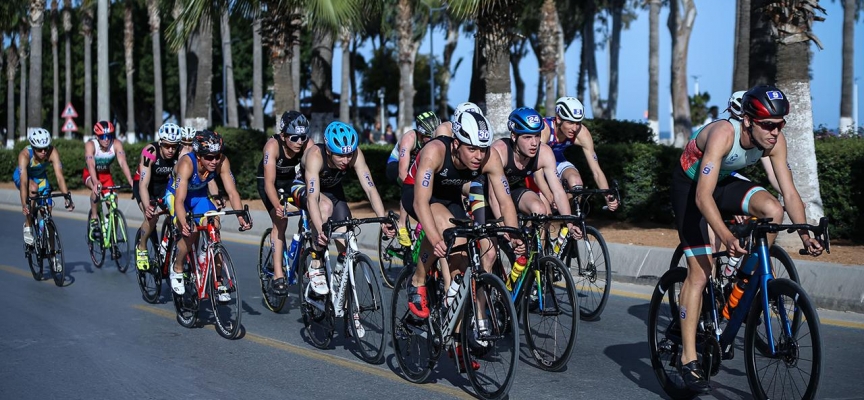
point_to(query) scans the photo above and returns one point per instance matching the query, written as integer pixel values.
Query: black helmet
(427, 122)
(293, 123)
(207, 142)
(765, 101)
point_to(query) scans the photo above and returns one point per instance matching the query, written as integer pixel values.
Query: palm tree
(128, 52)
(549, 51)
(850, 14)
(155, 20)
(257, 79)
(87, 31)
(67, 29)
(199, 103)
(589, 61)
(321, 80)
(23, 32)
(450, 43)
(55, 106)
(182, 67)
(740, 66)
(276, 33)
(344, 93)
(34, 108)
(654, 68)
(11, 67)
(518, 51)
(103, 77)
(225, 28)
(682, 14)
(408, 34)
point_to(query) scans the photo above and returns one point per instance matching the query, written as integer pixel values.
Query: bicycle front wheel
(317, 311)
(265, 273)
(366, 313)
(224, 294)
(413, 338)
(54, 253)
(550, 313)
(588, 260)
(97, 252)
(664, 334)
(497, 350)
(794, 369)
(34, 256)
(119, 242)
(148, 280)
(390, 258)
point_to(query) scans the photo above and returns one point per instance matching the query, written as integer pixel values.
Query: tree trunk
(22, 91)
(229, 71)
(103, 76)
(762, 66)
(617, 8)
(517, 53)
(477, 91)
(590, 62)
(322, 82)
(11, 66)
(407, 56)
(682, 14)
(87, 28)
(182, 67)
(449, 48)
(257, 79)
(128, 52)
(654, 69)
(495, 22)
(548, 60)
(740, 66)
(55, 61)
(353, 79)
(34, 108)
(67, 29)
(297, 25)
(156, 40)
(562, 66)
(847, 80)
(279, 43)
(345, 91)
(201, 100)
(584, 53)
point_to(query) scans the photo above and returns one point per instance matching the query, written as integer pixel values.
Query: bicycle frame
(202, 274)
(109, 233)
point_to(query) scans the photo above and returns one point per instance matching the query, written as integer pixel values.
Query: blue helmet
(341, 138)
(525, 121)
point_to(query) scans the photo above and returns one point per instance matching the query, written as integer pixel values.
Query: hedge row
(643, 171)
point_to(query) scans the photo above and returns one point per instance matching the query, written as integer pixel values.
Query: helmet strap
(753, 141)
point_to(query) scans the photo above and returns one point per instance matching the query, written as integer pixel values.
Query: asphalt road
(95, 338)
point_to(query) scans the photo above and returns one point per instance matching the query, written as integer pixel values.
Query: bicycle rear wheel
(318, 314)
(97, 252)
(413, 338)
(550, 313)
(148, 281)
(120, 242)
(588, 260)
(265, 273)
(390, 258)
(227, 311)
(664, 334)
(366, 314)
(795, 368)
(54, 253)
(187, 304)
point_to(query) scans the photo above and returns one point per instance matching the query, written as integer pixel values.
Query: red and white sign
(69, 125)
(69, 112)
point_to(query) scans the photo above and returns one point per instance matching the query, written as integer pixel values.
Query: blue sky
(710, 57)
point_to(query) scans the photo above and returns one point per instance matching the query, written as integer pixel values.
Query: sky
(710, 60)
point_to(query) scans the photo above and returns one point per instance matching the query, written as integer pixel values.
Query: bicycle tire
(54, 250)
(498, 352)
(664, 334)
(120, 241)
(148, 281)
(31, 252)
(412, 338)
(803, 348)
(97, 251)
(592, 277)
(370, 317)
(388, 264)
(550, 322)
(226, 313)
(187, 304)
(265, 274)
(319, 323)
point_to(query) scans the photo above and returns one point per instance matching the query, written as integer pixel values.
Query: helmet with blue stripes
(525, 121)
(341, 138)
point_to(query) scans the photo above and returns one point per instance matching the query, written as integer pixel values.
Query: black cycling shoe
(279, 287)
(694, 377)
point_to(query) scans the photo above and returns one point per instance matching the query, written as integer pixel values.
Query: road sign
(69, 125)
(69, 112)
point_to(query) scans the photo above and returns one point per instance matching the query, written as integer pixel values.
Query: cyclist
(403, 156)
(99, 154)
(187, 138)
(524, 156)
(151, 178)
(318, 189)
(187, 192)
(31, 174)
(566, 129)
(276, 174)
(446, 128)
(702, 188)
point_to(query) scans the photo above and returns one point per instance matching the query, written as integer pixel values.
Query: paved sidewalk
(832, 286)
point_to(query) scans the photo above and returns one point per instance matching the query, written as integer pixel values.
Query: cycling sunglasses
(211, 157)
(296, 138)
(770, 126)
(106, 136)
(170, 146)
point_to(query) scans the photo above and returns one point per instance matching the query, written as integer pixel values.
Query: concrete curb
(832, 286)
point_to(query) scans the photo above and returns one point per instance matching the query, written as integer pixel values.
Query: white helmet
(466, 106)
(170, 132)
(188, 134)
(569, 109)
(734, 107)
(472, 129)
(39, 138)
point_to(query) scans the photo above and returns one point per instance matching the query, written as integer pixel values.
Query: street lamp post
(381, 101)
(432, 57)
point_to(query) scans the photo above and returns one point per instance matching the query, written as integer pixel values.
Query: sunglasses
(211, 157)
(770, 126)
(296, 138)
(105, 137)
(169, 146)
(42, 150)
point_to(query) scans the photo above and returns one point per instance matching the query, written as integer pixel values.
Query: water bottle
(734, 297)
(453, 289)
(518, 267)
(731, 265)
(292, 254)
(163, 247)
(202, 259)
(562, 237)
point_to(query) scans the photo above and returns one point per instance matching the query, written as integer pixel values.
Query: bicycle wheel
(366, 313)
(413, 338)
(496, 351)
(97, 252)
(390, 258)
(795, 368)
(318, 314)
(187, 304)
(34, 257)
(147, 279)
(265, 274)
(593, 272)
(227, 311)
(120, 242)
(549, 313)
(54, 253)
(664, 334)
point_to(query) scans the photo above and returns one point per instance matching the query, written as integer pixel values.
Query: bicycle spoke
(224, 293)
(367, 312)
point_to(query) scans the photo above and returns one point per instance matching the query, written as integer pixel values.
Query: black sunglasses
(105, 136)
(170, 146)
(296, 138)
(211, 157)
(770, 126)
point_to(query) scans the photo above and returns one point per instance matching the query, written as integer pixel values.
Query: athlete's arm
(271, 153)
(546, 132)
(312, 162)
(546, 166)
(406, 144)
(148, 157)
(121, 158)
(368, 185)
(791, 197)
(494, 170)
(61, 180)
(427, 165)
(182, 175)
(89, 158)
(23, 160)
(230, 186)
(444, 129)
(585, 140)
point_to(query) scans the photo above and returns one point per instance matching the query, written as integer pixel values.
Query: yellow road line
(338, 361)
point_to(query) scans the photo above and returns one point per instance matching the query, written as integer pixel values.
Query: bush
(841, 183)
(608, 131)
